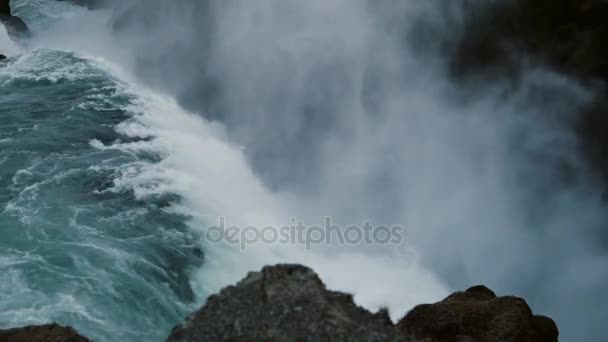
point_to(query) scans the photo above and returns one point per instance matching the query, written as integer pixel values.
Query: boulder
(284, 303)
(477, 314)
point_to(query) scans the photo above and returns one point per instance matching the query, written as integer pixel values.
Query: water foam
(213, 179)
(464, 178)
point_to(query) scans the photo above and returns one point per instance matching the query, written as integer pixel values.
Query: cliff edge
(291, 303)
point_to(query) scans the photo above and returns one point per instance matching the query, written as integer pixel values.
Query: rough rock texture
(290, 303)
(15, 26)
(43, 333)
(284, 303)
(478, 315)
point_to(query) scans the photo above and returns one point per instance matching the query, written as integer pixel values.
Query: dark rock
(14, 25)
(5, 8)
(478, 315)
(501, 38)
(43, 333)
(568, 35)
(284, 303)
(2, 57)
(289, 302)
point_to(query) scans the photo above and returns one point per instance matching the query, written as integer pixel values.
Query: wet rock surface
(284, 303)
(290, 303)
(477, 314)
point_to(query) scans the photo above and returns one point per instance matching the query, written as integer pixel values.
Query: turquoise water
(77, 246)
(107, 183)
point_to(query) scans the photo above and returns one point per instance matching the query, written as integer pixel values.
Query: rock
(289, 302)
(284, 303)
(14, 25)
(478, 315)
(43, 333)
(501, 38)
(5, 8)
(568, 35)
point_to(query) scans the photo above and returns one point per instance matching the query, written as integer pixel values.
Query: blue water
(107, 183)
(78, 247)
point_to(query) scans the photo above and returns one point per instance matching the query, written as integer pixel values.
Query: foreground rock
(501, 38)
(43, 333)
(284, 303)
(289, 302)
(478, 315)
(14, 25)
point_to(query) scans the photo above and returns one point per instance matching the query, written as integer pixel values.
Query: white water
(456, 176)
(214, 179)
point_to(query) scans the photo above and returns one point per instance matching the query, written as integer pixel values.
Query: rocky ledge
(291, 303)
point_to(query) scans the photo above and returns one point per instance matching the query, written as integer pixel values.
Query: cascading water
(293, 109)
